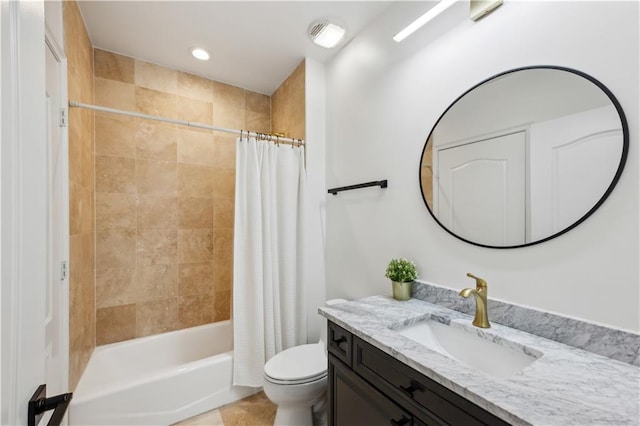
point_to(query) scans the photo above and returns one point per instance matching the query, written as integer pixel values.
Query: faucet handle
(480, 283)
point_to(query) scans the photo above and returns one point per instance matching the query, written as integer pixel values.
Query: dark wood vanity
(369, 387)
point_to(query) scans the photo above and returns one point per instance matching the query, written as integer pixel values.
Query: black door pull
(403, 421)
(39, 403)
(413, 386)
(340, 341)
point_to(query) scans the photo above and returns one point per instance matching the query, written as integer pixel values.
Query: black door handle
(39, 403)
(403, 421)
(413, 386)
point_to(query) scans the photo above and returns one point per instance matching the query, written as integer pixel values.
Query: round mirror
(523, 156)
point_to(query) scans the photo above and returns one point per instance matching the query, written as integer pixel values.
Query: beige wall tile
(231, 118)
(80, 209)
(156, 177)
(258, 122)
(113, 66)
(87, 241)
(223, 243)
(152, 178)
(195, 181)
(115, 249)
(223, 213)
(76, 264)
(87, 150)
(157, 212)
(157, 246)
(88, 220)
(195, 245)
(114, 94)
(157, 282)
(222, 305)
(195, 147)
(156, 77)
(223, 258)
(195, 310)
(154, 102)
(288, 105)
(223, 273)
(156, 141)
(156, 317)
(115, 135)
(195, 213)
(115, 174)
(226, 96)
(116, 287)
(115, 324)
(195, 87)
(224, 183)
(75, 144)
(123, 286)
(194, 110)
(257, 102)
(82, 315)
(195, 278)
(115, 211)
(224, 151)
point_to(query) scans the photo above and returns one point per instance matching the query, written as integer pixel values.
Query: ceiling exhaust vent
(326, 33)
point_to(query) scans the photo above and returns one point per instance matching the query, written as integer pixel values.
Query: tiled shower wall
(164, 197)
(288, 105)
(81, 194)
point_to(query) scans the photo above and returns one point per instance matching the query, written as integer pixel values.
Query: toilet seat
(297, 365)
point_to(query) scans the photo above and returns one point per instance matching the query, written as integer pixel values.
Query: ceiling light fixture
(429, 15)
(200, 53)
(326, 34)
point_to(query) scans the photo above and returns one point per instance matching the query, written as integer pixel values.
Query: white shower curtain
(269, 306)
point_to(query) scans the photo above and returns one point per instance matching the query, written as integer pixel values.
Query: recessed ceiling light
(429, 15)
(200, 53)
(326, 34)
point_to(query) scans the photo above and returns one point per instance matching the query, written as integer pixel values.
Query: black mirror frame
(623, 157)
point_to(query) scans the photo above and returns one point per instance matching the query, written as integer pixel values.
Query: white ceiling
(254, 45)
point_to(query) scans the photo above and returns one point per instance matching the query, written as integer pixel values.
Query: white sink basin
(468, 347)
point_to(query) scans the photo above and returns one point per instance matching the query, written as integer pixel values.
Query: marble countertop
(565, 386)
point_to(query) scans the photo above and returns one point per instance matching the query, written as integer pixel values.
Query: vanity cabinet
(370, 387)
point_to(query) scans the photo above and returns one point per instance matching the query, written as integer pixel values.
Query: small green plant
(401, 270)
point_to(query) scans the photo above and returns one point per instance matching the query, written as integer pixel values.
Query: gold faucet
(480, 292)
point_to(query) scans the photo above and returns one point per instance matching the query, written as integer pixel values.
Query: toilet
(296, 380)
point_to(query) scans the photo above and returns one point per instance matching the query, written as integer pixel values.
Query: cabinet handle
(403, 421)
(340, 341)
(413, 386)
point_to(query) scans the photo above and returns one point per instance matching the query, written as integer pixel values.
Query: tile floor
(255, 410)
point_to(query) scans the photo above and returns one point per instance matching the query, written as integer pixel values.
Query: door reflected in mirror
(523, 157)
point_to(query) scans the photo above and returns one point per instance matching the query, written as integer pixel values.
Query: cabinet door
(354, 402)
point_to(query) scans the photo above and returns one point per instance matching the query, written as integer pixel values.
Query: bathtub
(158, 380)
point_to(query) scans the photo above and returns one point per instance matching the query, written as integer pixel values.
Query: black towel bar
(380, 183)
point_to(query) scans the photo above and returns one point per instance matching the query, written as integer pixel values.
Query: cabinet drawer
(354, 402)
(339, 343)
(431, 402)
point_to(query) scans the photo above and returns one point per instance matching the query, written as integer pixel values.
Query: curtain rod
(273, 138)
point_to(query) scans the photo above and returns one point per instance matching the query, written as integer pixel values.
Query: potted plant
(401, 272)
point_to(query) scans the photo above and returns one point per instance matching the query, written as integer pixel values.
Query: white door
(56, 293)
(573, 161)
(481, 188)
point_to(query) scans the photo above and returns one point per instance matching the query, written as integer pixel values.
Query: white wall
(383, 99)
(315, 116)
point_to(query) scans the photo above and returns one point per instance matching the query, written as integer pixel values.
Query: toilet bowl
(296, 380)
